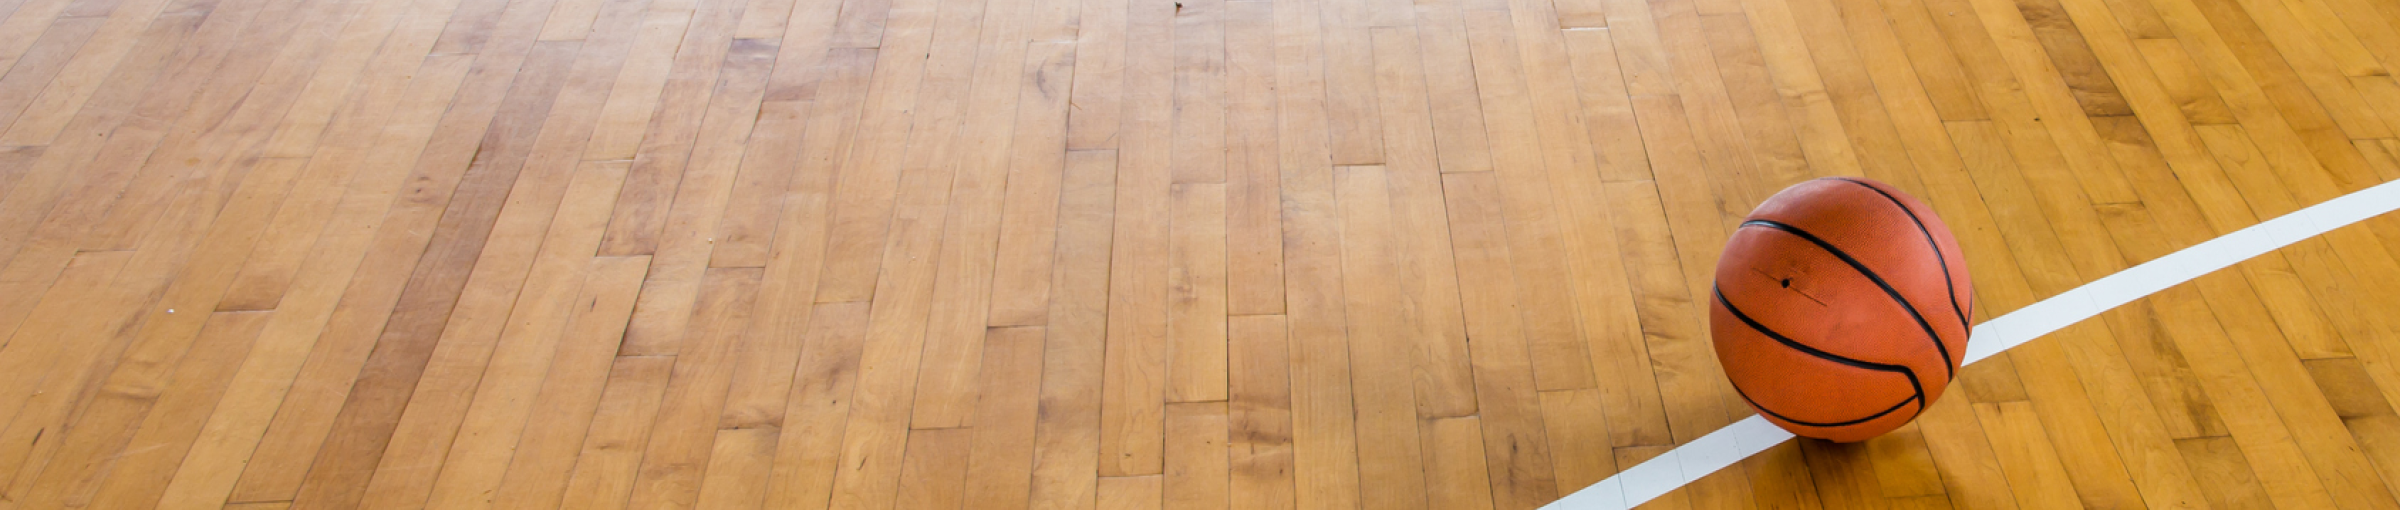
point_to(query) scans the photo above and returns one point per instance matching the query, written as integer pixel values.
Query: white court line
(1682, 465)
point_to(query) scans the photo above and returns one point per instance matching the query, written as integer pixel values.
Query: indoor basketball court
(1184, 254)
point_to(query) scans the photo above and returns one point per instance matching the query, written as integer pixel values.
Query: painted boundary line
(1684, 464)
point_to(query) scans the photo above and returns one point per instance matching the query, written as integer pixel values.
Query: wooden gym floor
(534, 254)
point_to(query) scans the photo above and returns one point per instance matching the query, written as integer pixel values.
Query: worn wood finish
(1074, 254)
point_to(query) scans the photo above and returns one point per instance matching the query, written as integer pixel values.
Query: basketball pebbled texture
(1841, 309)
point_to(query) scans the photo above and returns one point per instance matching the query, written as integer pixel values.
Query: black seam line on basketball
(1948, 282)
(1949, 368)
(1737, 390)
(1904, 371)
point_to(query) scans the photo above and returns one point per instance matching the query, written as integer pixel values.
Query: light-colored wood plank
(700, 200)
(1253, 182)
(1454, 449)
(1067, 433)
(1532, 219)
(934, 473)
(454, 374)
(971, 226)
(620, 433)
(1200, 95)
(150, 456)
(1513, 417)
(1390, 454)
(1196, 294)
(676, 456)
(1198, 470)
(1131, 492)
(1029, 220)
(1444, 385)
(2026, 455)
(500, 437)
(546, 465)
(1007, 412)
(737, 469)
(820, 403)
(1259, 412)
(1134, 394)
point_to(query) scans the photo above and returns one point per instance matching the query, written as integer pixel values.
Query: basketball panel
(1802, 386)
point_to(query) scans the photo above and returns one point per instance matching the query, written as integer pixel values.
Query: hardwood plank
(1444, 384)
(865, 196)
(551, 453)
(1098, 89)
(819, 405)
(1937, 66)
(1253, 182)
(875, 437)
(1200, 91)
(682, 257)
(139, 473)
(1198, 469)
(1458, 130)
(737, 469)
(1007, 414)
(1781, 477)
(970, 229)
(764, 379)
(1668, 316)
(340, 476)
(2051, 96)
(1067, 432)
(746, 235)
(234, 429)
(654, 115)
(2035, 474)
(1030, 217)
(1607, 109)
(1513, 416)
(1455, 451)
(1131, 492)
(129, 386)
(670, 29)
(305, 422)
(1903, 464)
(2077, 66)
(1259, 412)
(933, 474)
(1733, 173)
(1765, 122)
(1353, 122)
(620, 433)
(676, 455)
(443, 398)
(2208, 348)
(1819, 127)
(1963, 452)
(518, 88)
(2184, 82)
(1196, 279)
(499, 439)
(1525, 185)
(299, 432)
(1572, 420)
(2045, 368)
(1135, 374)
(1844, 473)
(1389, 454)
(2224, 475)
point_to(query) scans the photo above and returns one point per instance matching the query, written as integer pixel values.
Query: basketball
(1841, 308)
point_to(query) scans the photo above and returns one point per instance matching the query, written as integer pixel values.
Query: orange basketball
(1841, 308)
